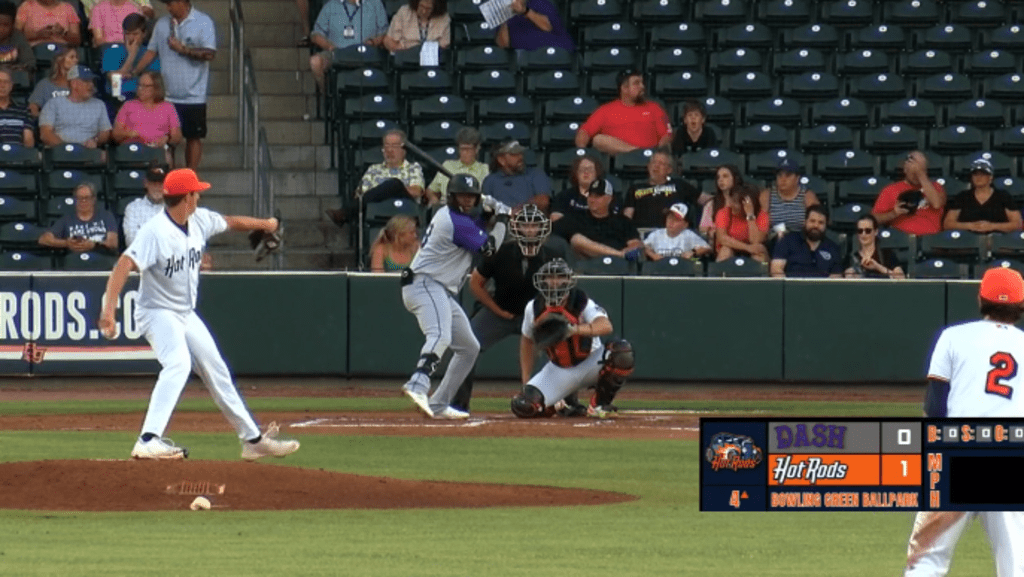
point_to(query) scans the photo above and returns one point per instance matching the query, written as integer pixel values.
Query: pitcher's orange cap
(1002, 286)
(182, 181)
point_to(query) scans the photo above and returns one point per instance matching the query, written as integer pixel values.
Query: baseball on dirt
(200, 504)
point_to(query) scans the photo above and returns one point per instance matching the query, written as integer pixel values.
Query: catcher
(568, 326)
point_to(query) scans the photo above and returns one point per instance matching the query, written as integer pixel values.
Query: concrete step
(272, 35)
(316, 157)
(285, 82)
(280, 58)
(286, 183)
(221, 131)
(294, 132)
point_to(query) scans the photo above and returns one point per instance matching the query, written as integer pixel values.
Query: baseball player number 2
(1004, 366)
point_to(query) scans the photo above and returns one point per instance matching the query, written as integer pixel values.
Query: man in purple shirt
(535, 25)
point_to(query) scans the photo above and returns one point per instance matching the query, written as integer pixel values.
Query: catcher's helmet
(531, 228)
(462, 183)
(554, 281)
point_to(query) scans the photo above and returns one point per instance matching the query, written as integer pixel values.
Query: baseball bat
(430, 159)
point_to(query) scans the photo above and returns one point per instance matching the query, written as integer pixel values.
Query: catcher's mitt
(264, 243)
(551, 329)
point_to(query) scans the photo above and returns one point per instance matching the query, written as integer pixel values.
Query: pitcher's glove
(264, 243)
(551, 329)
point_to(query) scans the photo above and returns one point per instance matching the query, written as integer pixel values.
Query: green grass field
(662, 533)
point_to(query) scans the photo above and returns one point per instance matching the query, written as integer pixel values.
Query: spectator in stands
(144, 6)
(468, 141)
(787, 198)
(585, 170)
(676, 239)
(139, 211)
(88, 229)
(15, 52)
(122, 59)
(107, 19)
(647, 203)
(396, 177)
(149, 119)
(15, 121)
(395, 246)
(982, 208)
(185, 49)
(808, 253)
(417, 22)
(78, 117)
(727, 177)
(49, 21)
(742, 225)
(56, 83)
(511, 182)
(693, 135)
(869, 260)
(599, 232)
(914, 204)
(628, 123)
(536, 24)
(341, 24)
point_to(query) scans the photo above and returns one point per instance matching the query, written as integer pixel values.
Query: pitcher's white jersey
(168, 259)
(447, 250)
(980, 361)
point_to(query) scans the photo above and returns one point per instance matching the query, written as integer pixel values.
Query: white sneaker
(157, 448)
(412, 390)
(451, 413)
(269, 446)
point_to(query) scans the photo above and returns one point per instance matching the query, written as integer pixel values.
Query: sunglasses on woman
(865, 230)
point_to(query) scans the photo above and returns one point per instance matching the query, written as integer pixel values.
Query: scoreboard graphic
(860, 464)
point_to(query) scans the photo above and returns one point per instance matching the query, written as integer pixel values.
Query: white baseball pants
(559, 382)
(182, 343)
(1005, 530)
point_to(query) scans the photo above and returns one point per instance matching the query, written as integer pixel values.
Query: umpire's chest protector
(575, 349)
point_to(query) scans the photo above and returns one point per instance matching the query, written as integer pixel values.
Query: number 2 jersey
(980, 361)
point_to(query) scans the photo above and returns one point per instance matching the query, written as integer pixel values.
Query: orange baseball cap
(1002, 286)
(182, 181)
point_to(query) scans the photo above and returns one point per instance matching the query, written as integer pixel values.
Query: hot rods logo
(729, 451)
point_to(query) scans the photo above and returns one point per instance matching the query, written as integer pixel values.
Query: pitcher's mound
(235, 486)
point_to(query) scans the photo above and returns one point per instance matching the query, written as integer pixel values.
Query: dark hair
(999, 312)
(818, 209)
(173, 201)
(133, 22)
(156, 171)
(871, 217)
(598, 169)
(440, 7)
(749, 190)
(694, 106)
(8, 9)
(737, 181)
(625, 75)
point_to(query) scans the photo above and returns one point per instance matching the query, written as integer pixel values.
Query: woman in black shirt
(982, 208)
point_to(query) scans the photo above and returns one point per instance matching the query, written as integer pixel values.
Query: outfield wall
(354, 324)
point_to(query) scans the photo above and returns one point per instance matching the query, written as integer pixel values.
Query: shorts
(193, 120)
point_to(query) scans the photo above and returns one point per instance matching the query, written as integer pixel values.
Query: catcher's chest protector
(575, 349)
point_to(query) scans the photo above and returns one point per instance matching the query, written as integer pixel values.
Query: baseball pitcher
(564, 322)
(974, 372)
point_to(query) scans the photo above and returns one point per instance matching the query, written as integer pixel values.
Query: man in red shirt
(914, 204)
(628, 123)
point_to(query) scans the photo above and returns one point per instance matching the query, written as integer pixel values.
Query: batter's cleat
(414, 392)
(269, 446)
(451, 413)
(158, 449)
(600, 412)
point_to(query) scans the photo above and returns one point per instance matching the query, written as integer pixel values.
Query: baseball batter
(974, 372)
(168, 251)
(430, 287)
(577, 362)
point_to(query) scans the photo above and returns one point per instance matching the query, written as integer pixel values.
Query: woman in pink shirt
(148, 119)
(106, 20)
(49, 21)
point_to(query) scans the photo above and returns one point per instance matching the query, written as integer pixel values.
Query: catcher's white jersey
(591, 312)
(448, 247)
(980, 361)
(168, 259)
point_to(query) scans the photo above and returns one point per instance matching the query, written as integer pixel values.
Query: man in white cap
(168, 252)
(676, 239)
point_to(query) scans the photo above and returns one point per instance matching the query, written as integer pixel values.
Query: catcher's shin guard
(618, 364)
(529, 403)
